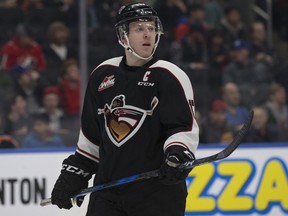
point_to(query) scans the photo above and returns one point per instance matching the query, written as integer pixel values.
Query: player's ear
(124, 40)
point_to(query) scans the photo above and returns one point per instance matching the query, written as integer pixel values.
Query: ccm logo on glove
(188, 153)
(75, 170)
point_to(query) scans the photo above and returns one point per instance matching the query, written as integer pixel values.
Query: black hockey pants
(146, 198)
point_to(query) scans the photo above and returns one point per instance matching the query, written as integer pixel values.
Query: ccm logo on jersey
(106, 83)
(145, 79)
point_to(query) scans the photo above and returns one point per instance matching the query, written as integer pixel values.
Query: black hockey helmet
(133, 12)
(136, 12)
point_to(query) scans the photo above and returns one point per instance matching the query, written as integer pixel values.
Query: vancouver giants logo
(106, 83)
(123, 121)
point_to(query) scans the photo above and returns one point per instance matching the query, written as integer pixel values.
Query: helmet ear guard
(136, 12)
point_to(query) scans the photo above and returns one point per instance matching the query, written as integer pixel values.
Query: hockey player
(138, 115)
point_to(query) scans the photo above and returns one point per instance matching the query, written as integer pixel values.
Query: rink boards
(252, 181)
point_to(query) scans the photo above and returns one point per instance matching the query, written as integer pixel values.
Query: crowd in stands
(232, 66)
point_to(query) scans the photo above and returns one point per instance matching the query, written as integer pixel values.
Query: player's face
(142, 37)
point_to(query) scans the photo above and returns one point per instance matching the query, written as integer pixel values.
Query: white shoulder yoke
(189, 139)
(113, 62)
(165, 64)
(178, 73)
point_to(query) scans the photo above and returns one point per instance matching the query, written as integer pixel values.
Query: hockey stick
(151, 174)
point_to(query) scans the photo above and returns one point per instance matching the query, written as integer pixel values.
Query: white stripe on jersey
(180, 75)
(113, 61)
(188, 139)
(87, 148)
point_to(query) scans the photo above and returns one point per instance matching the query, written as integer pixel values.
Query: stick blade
(232, 146)
(45, 202)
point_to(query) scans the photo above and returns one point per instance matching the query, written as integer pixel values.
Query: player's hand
(65, 187)
(71, 180)
(169, 172)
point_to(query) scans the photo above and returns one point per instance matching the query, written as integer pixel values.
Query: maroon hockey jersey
(132, 114)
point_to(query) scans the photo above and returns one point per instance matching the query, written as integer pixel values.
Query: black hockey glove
(169, 173)
(73, 178)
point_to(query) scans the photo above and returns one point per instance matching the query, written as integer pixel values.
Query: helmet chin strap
(131, 50)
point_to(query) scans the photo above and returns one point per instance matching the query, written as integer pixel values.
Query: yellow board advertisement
(252, 181)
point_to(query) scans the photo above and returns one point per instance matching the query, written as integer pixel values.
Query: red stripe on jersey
(87, 153)
(177, 143)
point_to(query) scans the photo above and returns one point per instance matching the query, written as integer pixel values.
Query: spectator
(64, 125)
(277, 107)
(217, 49)
(259, 47)
(93, 22)
(175, 8)
(22, 51)
(235, 113)
(66, 10)
(218, 56)
(41, 134)
(29, 85)
(191, 55)
(261, 130)
(191, 51)
(106, 11)
(232, 25)
(17, 118)
(51, 103)
(196, 16)
(57, 51)
(195, 20)
(70, 88)
(214, 12)
(215, 128)
(252, 77)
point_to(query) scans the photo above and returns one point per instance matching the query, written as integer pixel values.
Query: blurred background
(234, 52)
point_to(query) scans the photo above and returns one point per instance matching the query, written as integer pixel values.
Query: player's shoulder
(112, 62)
(165, 65)
(169, 68)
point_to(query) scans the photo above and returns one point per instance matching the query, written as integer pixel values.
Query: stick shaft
(151, 174)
